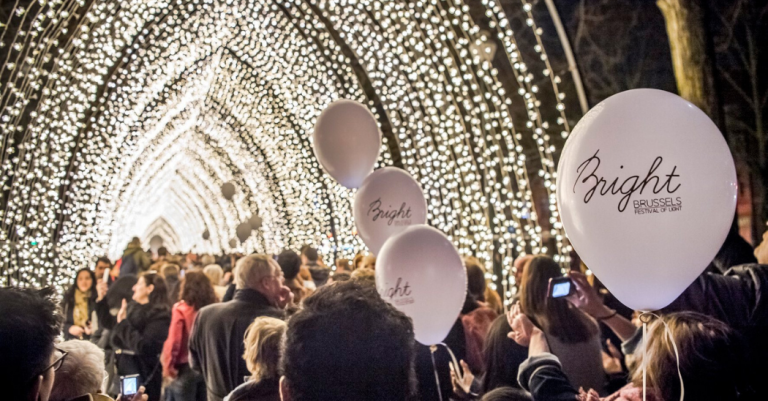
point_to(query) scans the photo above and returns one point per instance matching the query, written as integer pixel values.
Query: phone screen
(130, 385)
(560, 290)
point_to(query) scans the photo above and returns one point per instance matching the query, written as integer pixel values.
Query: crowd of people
(289, 327)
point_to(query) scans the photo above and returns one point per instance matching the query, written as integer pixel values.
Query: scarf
(80, 312)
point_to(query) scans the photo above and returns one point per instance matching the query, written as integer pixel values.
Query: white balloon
(228, 190)
(347, 141)
(243, 231)
(420, 273)
(388, 202)
(647, 191)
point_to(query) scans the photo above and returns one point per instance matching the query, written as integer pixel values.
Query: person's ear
(34, 391)
(151, 288)
(285, 392)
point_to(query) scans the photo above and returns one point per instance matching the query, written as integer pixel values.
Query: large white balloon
(387, 203)
(647, 192)
(228, 190)
(420, 273)
(346, 142)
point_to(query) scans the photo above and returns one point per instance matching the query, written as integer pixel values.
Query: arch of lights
(123, 118)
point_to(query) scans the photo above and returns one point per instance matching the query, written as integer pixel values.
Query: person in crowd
(134, 259)
(290, 263)
(262, 356)
(29, 324)
(170, 273)
(364, 274)
(216, 344)
(710, 363)
(734, 251)
(196, 293)
(78, 304)
(343, 265)
(489, 296)
(357, 261)
(206, 260)
(348, 344)
(162, 254)
(507, 394)
(102, 264)
(215, 273)
(574, 337)
(310, 261)
(502, 357)
(369, 262)
(476, 322)
(81, 375)
(139, 330)
(340, 276)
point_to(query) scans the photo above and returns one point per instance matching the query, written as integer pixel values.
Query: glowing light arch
(144, 108)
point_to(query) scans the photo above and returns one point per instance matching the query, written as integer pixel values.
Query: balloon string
(668, 332)
(432, 349)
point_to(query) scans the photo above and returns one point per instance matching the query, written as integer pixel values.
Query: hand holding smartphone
(560, 287)
(129, 385)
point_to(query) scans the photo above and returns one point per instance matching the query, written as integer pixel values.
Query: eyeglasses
(56, 365)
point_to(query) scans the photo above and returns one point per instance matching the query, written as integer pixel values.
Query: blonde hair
(363, 274)
(262, 347)
(214, 273)
(369, 259)
(251, 269)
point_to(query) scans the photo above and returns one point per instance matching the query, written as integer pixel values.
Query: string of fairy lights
(124, 118)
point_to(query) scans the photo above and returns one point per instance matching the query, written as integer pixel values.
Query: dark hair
(507, 394)
(29, 323)
(159, 295)
(341, 276)
(346, 328)
(290, 263)
(103, 259)
(502, 356)
(475, 278)
(68, 300)
(555, 317)
(310, 253)
(197, 290)
(162, 251)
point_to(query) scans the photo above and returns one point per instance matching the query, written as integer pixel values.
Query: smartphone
(560, 287)
(129, 385)
(105, 278)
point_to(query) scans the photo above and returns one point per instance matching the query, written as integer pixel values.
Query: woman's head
(554, 316)
(85, 280)
(196, 290)
(357, 261)
(475, 277)
(711, 358)
(262, 347)
(369, 262)
(502, 356)
(214, 273)
(151, 288)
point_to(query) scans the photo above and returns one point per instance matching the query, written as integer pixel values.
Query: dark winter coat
(134, 261)
(263, 390)
(216, 344)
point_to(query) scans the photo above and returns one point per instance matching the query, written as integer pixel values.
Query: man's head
(29, 323)
(347, 329)
(81, 372)
(162, 252)
(260, 273)
(102, 264)
(309, 255)
(290, 263)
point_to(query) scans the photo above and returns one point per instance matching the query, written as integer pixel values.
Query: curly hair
(196, 290)
(262, 347)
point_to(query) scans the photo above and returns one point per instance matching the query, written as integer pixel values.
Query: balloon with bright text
(388, 202)
(647, 192)
(420, 273)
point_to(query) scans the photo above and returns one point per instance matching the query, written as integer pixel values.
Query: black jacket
(216, 344)
(263, 390)
(68, 309)
(139, 340)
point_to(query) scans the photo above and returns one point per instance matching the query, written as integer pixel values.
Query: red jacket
(176, 347)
